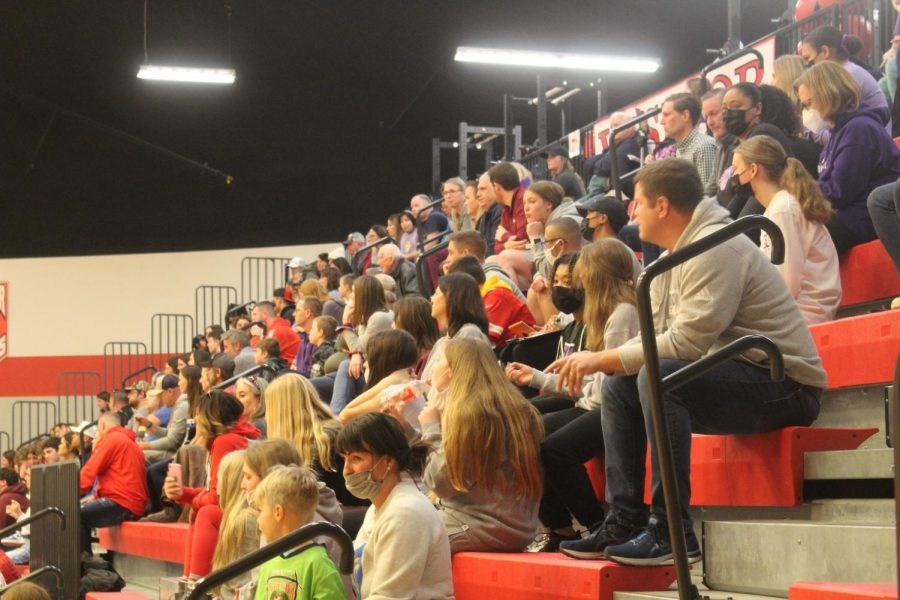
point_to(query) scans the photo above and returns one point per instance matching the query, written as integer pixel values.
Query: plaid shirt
(700, 149)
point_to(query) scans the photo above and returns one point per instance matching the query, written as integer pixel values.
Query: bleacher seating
(158, 541)
(868, 275)
(815, 590)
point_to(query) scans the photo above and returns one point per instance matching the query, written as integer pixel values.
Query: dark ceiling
(326, 130)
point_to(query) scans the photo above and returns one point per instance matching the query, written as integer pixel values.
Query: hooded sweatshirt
(503, 310)
(12, 492)
(119, 464)
(858, 157)
(729, 291)
(235, 438)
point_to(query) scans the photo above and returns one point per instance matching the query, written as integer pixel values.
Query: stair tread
(704, 593)
(873, 463)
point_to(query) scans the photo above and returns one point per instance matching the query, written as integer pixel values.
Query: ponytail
(413, 460)
(797, 181)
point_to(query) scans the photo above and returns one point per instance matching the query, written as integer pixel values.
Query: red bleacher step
(760, 470)
(545, 576)
(868, 274)
(859, 350)
(819, 590)
(160, 541)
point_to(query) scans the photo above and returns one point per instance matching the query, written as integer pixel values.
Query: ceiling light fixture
(528, 58)
(183, 74)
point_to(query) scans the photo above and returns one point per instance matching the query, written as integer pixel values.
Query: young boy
(287, 500)
(322, 335)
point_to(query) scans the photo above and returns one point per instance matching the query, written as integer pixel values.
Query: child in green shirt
(286, 500)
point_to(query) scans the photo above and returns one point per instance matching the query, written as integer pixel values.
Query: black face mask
(568, 300)
(735, 121)
(738, 189)
(587, 232)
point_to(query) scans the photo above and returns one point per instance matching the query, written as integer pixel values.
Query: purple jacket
(858, 157)
(303, 362)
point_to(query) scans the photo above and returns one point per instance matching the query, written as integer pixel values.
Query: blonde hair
(488, 428)
(294, 488)
(26, 591)
(786, 69)
(606, 272)
(833, 86)
(789, 173)
(312, 287)
(235, 511)
(295, 413)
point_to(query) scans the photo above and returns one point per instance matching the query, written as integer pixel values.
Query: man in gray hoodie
(700, 306)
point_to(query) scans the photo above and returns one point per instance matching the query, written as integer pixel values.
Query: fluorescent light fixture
(528, 58)
(186, 74)
(560, 99)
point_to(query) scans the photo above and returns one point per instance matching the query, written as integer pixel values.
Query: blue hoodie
(858, 157)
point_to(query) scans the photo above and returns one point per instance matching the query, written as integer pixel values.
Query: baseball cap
(355, 237)
(141, 386)
(223, 361)
(556, 150)
(610, 206)
(297, 263)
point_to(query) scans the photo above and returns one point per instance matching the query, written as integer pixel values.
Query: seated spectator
(413, 315)
(268, 352)
(563, 173)
(308, 309)
(508, 317)
(221, 429)
(69, 448)
(342, 264)
(11, 490)
(459, 311)
(782, 112)
(505, 184)
(454, 205)
(680, 118)
(473, 207)
(409, 238)
(485, 464)
(283, 300)
(466, 243)
(375, 233)
(713, 114)
(117, 464)
(785, 71)
(794, 202)
(286, 500)
(884, 209)
(120, 406)
(217, 370)
(828, 44)
(393, 227)
(489, 214)
(391, 262)
(405, 551)
(432, 222)
(8, 460)
(598, 169)
(104, 402)
(736, 397)
(330, 279)
(563, 236)
(251, 393)
(236, 344)
(392, 356)
(859, 155)
(276, 328)
(169, 436)
(50, 451)
(322, 335)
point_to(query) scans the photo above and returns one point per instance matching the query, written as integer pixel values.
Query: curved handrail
(380, 241)
(615, 180)
(138, 372)
(279, 546)
(50, 510)
(36, 574)
(426, 290)
(266, 366)
(656, 386)
(239, 307)
(730, 57)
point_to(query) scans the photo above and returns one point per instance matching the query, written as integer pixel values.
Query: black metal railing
(49, 511)
(36, 575)
(170, 334)
(657, 386)
(75, 392)
(5, 442)
(727, 59)
(260, 275)
(788, 38)
(32, 418)
(120, 358)
(251, 371)
(306, 533)
(614, 178)
(426, 286)
(869, 20)
(211, 304)
(134, 374)
(354, 262)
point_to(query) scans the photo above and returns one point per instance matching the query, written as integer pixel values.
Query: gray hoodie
(726, 293)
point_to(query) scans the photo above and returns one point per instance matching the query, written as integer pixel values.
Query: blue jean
(884, 209)
(346, 388)
(22, 554)
(101, 513)
(156, 479)
(733, 398)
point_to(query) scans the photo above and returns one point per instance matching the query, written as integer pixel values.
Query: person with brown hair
(794, 202)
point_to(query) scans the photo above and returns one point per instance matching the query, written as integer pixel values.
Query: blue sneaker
(652, 548)
(594, 546)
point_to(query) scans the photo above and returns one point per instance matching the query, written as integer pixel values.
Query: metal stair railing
(266, 366)
(37, 573)
(615, 179)
(422, 275)
(657, 386)
(199, 589)
(379, 242)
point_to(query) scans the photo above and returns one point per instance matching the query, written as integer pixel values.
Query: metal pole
(508, 143)
(488, 155)
(463, 149)
(541, 114)
(733, 43)
(435, 165)
(517, 149)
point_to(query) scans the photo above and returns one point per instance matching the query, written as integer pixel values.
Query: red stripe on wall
(38, 375)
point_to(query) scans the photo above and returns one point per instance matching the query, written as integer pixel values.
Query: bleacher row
(833, 545)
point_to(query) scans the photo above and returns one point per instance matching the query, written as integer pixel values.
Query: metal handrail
(50, 510)
(384, 240)
(614, 158)
(269, 551)
(421, 266)
(235, 309)
(138, 372)
(266, 366)
(657, 386)
(727, 59)
(36, 574)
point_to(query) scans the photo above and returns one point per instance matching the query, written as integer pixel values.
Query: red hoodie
(288, 340)
(235, 438)
(119, 465)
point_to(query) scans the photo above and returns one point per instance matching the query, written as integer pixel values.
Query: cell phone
(520, 329)
(175, 473)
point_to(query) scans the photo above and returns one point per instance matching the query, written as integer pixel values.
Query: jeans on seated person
(156, 479)
(735, 397)
(884, 209)
(22, 554)
(102, 512)
(324, 385)
(346, 388)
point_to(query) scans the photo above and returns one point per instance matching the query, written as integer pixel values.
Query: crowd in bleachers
(357, 386)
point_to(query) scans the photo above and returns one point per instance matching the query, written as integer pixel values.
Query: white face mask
(813, 121)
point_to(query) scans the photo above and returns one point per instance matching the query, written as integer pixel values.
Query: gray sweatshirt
(726, 293)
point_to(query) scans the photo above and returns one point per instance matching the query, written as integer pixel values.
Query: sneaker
(549, 542)
(594, 545)
(16, 540)
(169, 514)
(652, 548)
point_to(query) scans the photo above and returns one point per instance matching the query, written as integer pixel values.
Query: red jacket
(513, 220)
(234, 439)
(503, 309)
(288, 340)
(119, 465)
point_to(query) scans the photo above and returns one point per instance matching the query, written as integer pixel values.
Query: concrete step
(878, 510)
(704, 593)
(855, 407)
(849, 464)
(766, 557)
